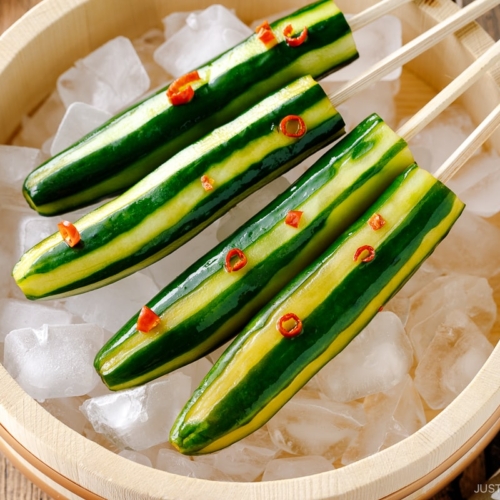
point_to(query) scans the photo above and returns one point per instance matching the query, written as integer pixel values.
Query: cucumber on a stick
(317, 314)
(130, 145)
(205, 306)
(323, 308)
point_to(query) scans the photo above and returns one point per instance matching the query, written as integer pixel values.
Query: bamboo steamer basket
(46, 42)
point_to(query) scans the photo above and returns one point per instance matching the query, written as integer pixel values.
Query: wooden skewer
(374, 12)
(412, 49)
(433, 108)
(465, 151)
(457, 87)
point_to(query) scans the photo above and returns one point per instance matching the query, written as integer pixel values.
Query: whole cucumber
(206, 306)
(129, 146)
(328, 305)
(173, 203)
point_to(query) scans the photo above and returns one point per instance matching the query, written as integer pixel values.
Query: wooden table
(14, 486)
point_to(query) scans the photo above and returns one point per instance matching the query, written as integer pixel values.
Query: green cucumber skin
(219, 201)
(332, 316)
(288, 259)
(131, 157)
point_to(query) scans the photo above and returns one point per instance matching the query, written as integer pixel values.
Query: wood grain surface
(14, 486)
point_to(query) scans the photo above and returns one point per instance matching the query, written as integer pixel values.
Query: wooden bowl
(45, 43)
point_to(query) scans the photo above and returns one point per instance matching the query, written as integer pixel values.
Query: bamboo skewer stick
(378, 10)
(412, 49)
(449, 94)
(465, 151)
(457, 87)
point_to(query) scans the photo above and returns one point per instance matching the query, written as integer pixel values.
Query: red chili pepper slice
(296, 329)
(365, 248)
(264, 26)
(147, 320)
(265, 35)
(296, 40)
(376, 221)
(69, 233)
(240, 263)
(293, 218)
(207, 183)
(300, 125)
(179, 91)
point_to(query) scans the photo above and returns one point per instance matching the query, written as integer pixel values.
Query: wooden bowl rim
(13, 450)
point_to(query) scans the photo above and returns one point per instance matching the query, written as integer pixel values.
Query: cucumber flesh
(170, 205)
(335, 298)
(125, 149)
(205, 306)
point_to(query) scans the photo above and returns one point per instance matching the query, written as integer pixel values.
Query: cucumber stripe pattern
(335, 298)
(126, 148)
(205, 306)
(170, 206)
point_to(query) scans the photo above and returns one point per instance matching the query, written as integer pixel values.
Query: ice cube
(15, 164)
(47, 146)
(375, 41)
(375, 361)
(109, 78)
(42, 124)
(240, 461)
(197, 371)
(408, 417)
(33, 229)
(166, 269)
(113, 305)
(391, 416)
(136, 457)
(455, 354)
(205, 35)
(173, 461)
(289, 468)
(145, 47)
(425, 274)
(16, 314)
(79, 120)
(142, 417)
(54, 361)
(478, 183)
(12, 219)
(260, 439)
(400, 306)
(295, 428)
(457, 253)
(441, 137)
(100, 389)
(175, 22)
(242, 212)
(67, 411)
(470, 294)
